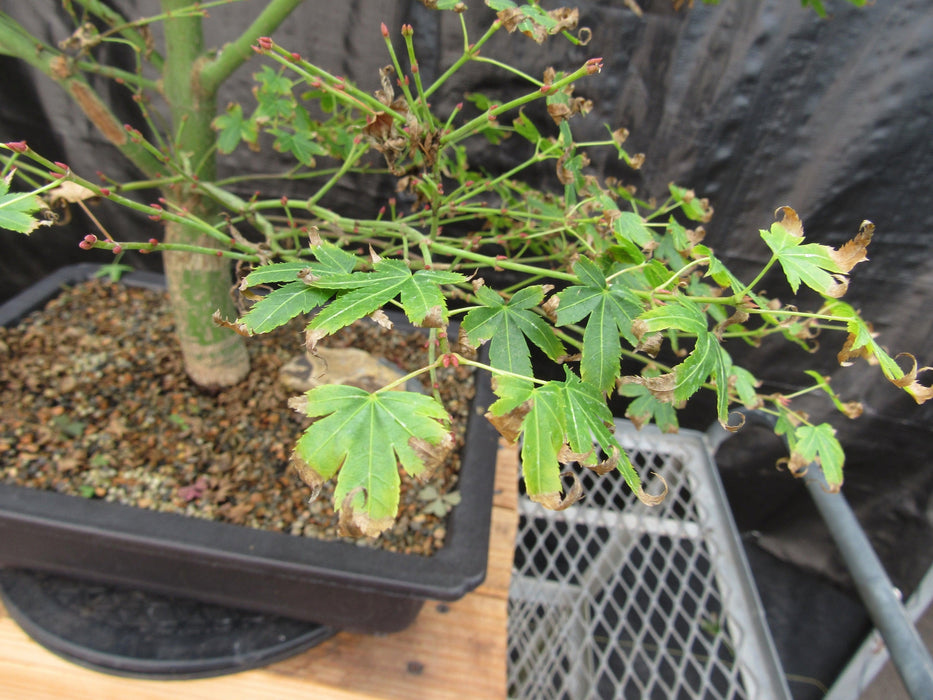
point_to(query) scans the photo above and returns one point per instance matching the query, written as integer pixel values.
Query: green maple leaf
(680, 315)
(361, 293)
(696, 367)
(690, 205)
(610, 309)
(507, 325)
(571, 413)
(708, 360)
(18, 210)
(281, 305)
(588, 420)
(543, 430)
(422, 296)
(861, 341)
(274, 94)
(646, 408)
(809, 263)
(366, 437)
(232, 127)
(631, 227)
(818, 443)
(296, 297)
(299, 143)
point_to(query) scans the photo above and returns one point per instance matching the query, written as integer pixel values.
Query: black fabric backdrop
(754, 104)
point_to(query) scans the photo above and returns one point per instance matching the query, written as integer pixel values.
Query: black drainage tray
(128, 632)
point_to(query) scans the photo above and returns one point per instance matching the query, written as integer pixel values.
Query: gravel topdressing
(94, 402)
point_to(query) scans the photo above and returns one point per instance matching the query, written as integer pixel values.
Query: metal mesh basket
(613, 599)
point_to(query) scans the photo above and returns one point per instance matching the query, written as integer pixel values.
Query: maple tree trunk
(198, 284)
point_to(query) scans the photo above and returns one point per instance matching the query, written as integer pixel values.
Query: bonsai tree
(583, 290)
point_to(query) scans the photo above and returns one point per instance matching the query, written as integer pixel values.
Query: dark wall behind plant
(754, 104)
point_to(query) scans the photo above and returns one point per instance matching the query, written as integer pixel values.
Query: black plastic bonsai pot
(338, 584)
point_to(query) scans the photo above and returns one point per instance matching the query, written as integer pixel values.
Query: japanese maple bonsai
(595, 278)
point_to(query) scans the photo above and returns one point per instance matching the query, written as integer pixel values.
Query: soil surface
(95, 403)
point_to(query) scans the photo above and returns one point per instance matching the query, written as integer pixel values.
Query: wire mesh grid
(613, 599)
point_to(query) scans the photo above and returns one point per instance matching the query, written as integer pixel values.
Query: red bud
(385, 30)
(265, 43)
(18, 146)
(594, 65)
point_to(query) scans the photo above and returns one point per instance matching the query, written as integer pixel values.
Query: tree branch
(16, 41)
(236, 53)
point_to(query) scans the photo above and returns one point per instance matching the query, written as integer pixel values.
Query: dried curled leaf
(795, 464)
(509, 424)
(854, 251)
(354, 522)
(790, 221)
(729, 426)
(464, 346)
(236, 326)
(846, 355)
(649, 344)
(567, 456)
(553, 500)
(436, 317)
(651, 499)
(909, 382)
(69, 192)
(538, 25)
(739, 316)
(381, 318)
(432, 456)
(306, 473)
(387, 95)
(549, 307)
(607, 465)
(312, 337)
(852, 409)
(661, 386)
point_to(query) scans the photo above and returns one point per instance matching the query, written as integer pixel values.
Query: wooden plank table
(453, 650)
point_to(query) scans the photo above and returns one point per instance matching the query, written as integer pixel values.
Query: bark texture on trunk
(198, 285)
